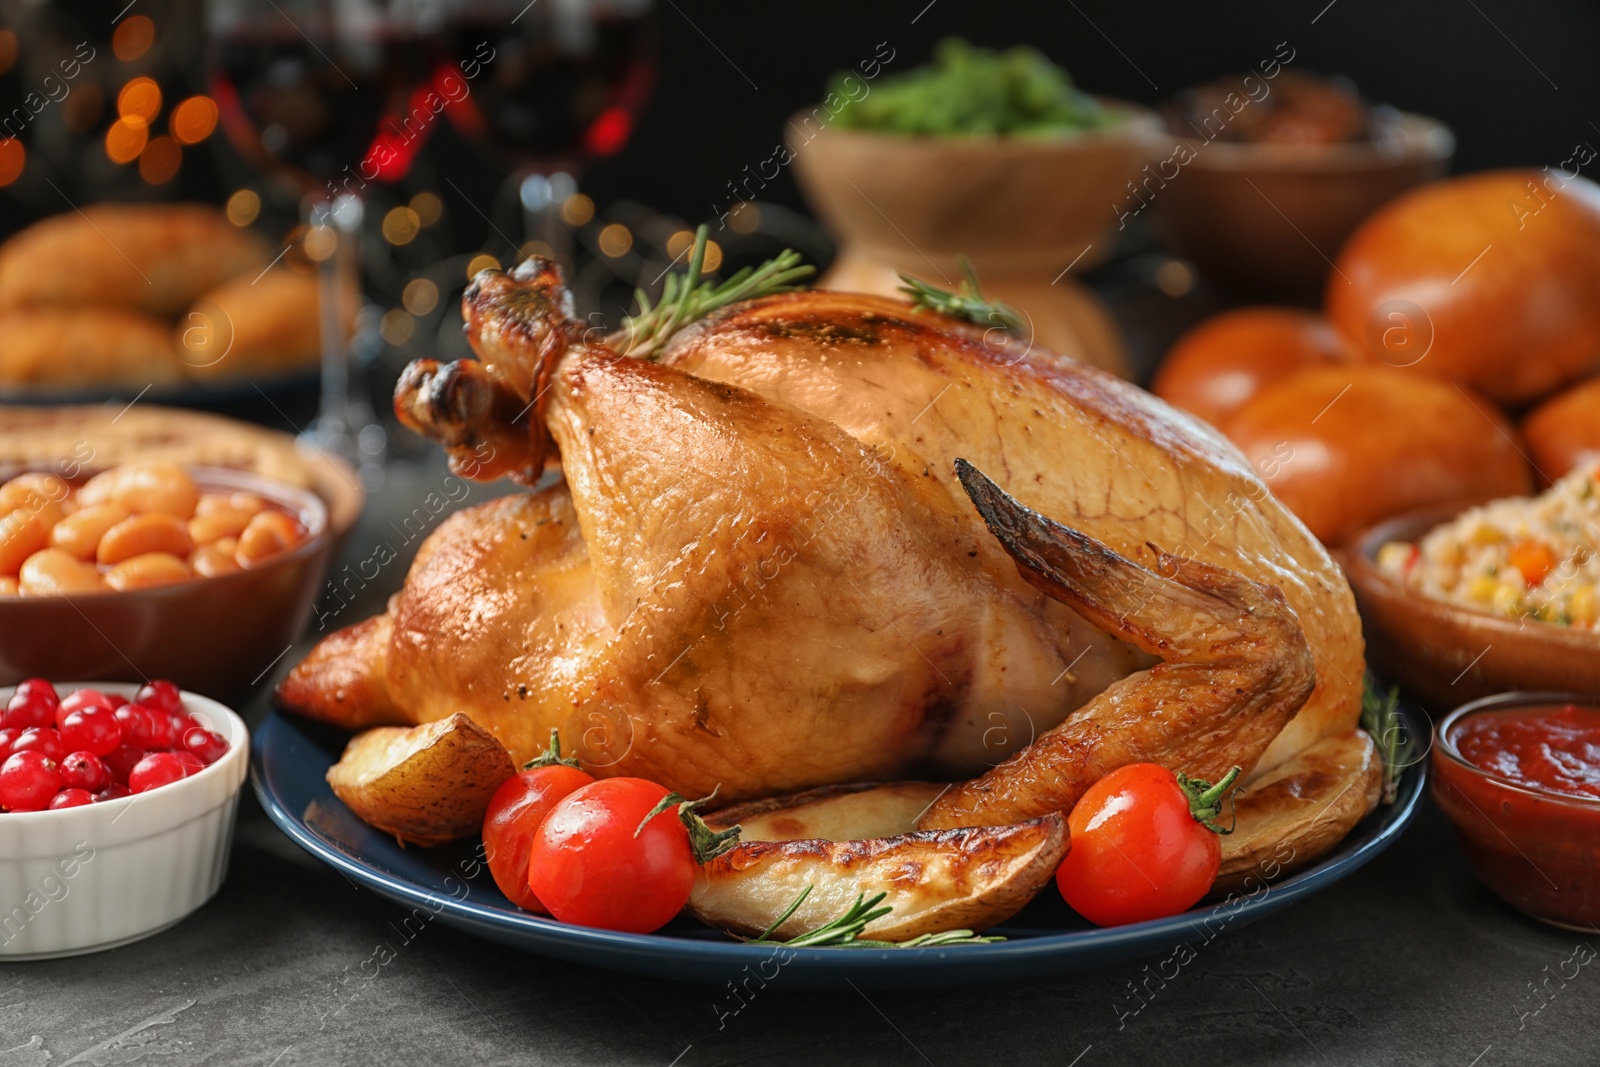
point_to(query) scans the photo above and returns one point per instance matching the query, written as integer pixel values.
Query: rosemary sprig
(845, 931)
(966, 303)
(1380, 718)
(687, 297)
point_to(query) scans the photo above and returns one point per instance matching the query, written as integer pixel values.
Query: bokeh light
(125, 140)
(8, 50)
(139, 101)
(159, 161)
(678, 245)
(12, 159)
(401, 226)
(420, 296)
(615, 240)
(577, 210)
(133, 37)
(193, 120)
(428, 208)
(744, 217)
(538, 248)
(243, 207)
(319, 243)
(1175, 277)
(482, 261)
(396, 327)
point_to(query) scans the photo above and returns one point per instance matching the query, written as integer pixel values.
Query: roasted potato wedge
(832, 813)
(424, 784)
(935, 880)
(1298, 810)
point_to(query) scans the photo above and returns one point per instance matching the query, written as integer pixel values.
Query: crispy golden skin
(155, 258)
(935, 880)
(766, 575)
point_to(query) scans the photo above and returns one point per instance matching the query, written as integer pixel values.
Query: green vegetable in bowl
(968, 91)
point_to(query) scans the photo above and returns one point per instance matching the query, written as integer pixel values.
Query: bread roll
(253, 327)
(85, 348)
(1491, 280)
(155, 258)
(1218, 366)
(1346, 446)
(1564, 430)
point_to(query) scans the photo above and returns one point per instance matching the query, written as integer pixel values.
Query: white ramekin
(98, 876)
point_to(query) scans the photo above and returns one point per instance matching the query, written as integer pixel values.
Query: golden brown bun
(1346, 446)
(1564, 430)
(1493, 275)
(85, 347)
(250, 327)
(1215, 368)
(156, 258)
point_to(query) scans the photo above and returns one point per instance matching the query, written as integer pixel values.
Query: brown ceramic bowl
(213, 636)
(1013, 205)
(1444, 655)
(1267, 220)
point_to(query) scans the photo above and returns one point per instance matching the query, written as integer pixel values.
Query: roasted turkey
(828, 538)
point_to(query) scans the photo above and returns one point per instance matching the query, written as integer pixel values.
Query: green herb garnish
(687, 297)
(1380, 718)
(845, 931)
(966, 303)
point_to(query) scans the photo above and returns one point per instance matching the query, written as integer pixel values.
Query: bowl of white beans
(202, 575)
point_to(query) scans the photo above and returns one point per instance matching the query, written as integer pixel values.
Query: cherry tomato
(515, 813)
(1141, 846)
(591, 868)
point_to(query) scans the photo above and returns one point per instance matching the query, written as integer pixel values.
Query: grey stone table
(1409, 961)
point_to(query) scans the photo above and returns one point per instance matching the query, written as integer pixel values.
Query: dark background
(1516, 79)
(1439, 57)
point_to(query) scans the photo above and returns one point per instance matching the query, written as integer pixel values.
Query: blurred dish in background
(1496, 274)
(172, 298)
(1270, 172)
(80, 440)
(915, 174)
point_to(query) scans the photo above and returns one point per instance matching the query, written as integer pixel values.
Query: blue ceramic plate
(290, 756)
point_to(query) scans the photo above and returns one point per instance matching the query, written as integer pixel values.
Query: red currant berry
(24, 710)
(84, 770)
(156, 770)
(71, 798)
(121, 762)
(82, 698)
(139, 727)
(117, 700)
(114, 791)
(8, 735)
(206, 744)
(39, 685)
(160, 694)
(163, 732)
(192, 764)
(28, 780)
(40, 739)
(91, 730)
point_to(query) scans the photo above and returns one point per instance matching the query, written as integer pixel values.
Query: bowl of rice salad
(1477, 598)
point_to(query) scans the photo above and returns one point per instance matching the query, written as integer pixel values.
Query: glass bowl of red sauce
(1519, 775)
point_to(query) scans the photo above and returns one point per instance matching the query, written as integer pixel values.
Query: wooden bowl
(215, 636)
(1444, 655)
(1267, 220)
(1012, 205)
